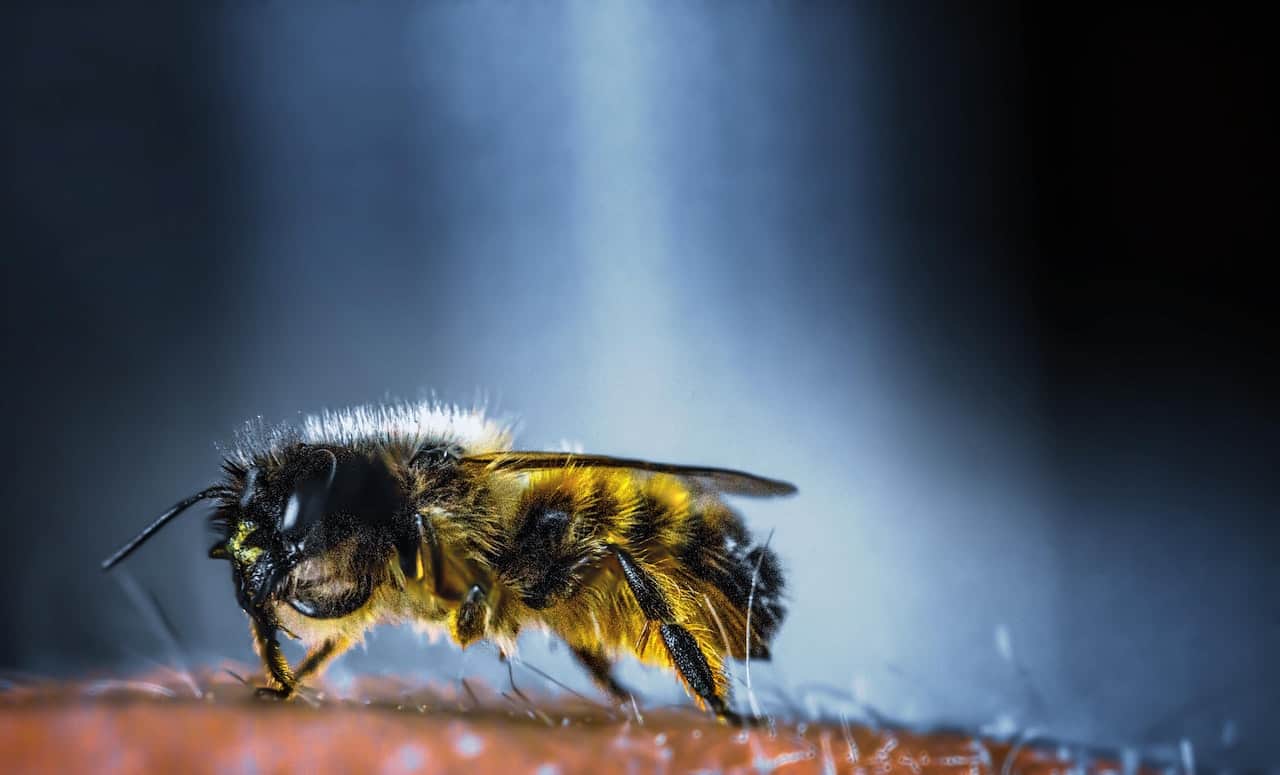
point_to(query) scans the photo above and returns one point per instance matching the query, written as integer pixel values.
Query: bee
(424, 513)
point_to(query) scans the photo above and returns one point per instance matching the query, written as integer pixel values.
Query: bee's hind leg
(686, 654)
(601, 670)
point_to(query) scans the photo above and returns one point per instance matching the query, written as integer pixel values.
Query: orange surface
(157, 726)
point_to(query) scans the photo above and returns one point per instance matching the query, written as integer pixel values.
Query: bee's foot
(733, 719)
(272, 693)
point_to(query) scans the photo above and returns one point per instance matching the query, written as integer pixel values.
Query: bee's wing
(719, 479)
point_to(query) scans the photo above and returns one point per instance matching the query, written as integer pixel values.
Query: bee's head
(311, 526)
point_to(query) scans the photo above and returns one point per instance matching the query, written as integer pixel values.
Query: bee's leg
(319, 658)
(686, 654)
(273, 658)
(601, 670)
(471, 622)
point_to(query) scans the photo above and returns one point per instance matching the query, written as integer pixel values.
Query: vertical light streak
(622, 239)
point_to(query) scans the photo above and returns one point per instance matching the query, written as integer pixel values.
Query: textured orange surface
(163, 727)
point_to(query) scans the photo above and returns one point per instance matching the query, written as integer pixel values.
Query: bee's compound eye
(290, 516)
(310, 498)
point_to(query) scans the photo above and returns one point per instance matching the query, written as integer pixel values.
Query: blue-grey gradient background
(926, 261)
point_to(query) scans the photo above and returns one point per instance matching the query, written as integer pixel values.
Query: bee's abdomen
(711, 544)
(566, 519)
(720, 551)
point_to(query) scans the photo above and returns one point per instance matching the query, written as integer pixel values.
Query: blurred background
(978, 278)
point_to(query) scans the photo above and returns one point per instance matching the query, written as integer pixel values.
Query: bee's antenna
(160, 522)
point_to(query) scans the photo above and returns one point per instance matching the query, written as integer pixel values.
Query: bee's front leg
(315, 662)
(267, 645)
